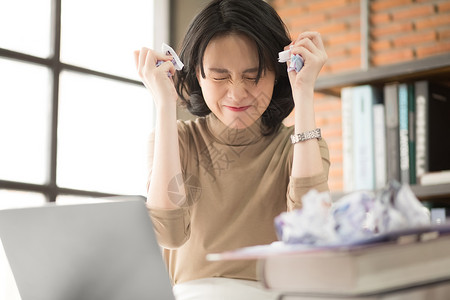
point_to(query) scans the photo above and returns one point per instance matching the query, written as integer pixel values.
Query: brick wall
(400, 30)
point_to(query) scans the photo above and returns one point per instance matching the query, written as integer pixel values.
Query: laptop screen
(106, 250)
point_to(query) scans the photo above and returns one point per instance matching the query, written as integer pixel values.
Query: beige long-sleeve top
(237, 182)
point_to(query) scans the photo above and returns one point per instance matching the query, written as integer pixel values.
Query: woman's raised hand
(310, 47)
(158, 79)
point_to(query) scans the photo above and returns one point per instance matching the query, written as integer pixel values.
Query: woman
(218, 182)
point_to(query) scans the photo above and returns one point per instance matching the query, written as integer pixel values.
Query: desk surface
(430, 291)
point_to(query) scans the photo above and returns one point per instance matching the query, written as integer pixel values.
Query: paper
(355, 217)
(167, 50)
(296, 61)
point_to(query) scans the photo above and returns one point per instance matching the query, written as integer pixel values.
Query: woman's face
(229, 87)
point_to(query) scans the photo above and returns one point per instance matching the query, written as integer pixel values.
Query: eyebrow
(224, 71)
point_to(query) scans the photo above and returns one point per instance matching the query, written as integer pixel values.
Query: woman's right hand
(157, 79)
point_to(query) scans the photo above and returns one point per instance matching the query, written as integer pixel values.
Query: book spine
(403, 132)
(421, 95)
(379, 127)
(438, 127)
(347, 138)
(412, 133)
(363, 163)
(392, 131)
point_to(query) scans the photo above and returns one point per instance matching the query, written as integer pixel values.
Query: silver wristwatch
(304, 136)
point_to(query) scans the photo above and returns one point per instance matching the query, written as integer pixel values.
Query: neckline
(232, 136)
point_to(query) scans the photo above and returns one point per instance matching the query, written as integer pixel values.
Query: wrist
(303, 94)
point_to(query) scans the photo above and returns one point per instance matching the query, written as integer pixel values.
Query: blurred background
(75, 118)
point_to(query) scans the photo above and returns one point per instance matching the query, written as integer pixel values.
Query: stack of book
(399, 131)
(391, 262)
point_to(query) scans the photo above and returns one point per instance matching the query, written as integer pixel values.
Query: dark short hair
(257, 20)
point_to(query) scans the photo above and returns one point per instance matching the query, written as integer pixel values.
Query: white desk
(432, 291)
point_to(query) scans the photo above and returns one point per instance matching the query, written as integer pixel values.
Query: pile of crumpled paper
(354, 217)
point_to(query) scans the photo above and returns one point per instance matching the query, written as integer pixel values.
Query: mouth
(238, 108)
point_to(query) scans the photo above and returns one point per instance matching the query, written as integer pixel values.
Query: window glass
(14, 199)
(72, 199)
(103, 132)
(102, 34)
(25, 26)
(25, 118)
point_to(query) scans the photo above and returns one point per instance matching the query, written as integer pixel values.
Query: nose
(237, 91)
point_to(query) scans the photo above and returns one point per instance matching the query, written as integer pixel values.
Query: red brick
(382, 5)
(325, 69)
(323, 106)
(355, 50)
(443, 6)
(278, 3)
(288, 12)
(330, 120)
(307, 20)
(423, 51)
(332, 28)
(391, 29)
(320, 96)
(337, 52)
(392, 57)
(412, 12)
(444, 34)
(335, 154)
(344, 13)
(334, 132)
(380, 45)
(415, 38)
(433, 22)
(334, 172)
(352, 63)
(328, 5)
(380, 18)
(354, 23)
(346, 38)
(336, 185)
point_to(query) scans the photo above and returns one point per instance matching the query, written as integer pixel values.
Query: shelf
(437, 66)
(423, 192)
(431, 192)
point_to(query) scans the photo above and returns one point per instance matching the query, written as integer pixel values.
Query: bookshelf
(435, 68)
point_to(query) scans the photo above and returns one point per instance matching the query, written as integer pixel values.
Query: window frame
(50, 189)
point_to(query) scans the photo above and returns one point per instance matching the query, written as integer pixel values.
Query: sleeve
(298, 187)
(172, 226)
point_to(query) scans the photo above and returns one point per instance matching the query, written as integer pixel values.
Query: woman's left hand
(310, 47)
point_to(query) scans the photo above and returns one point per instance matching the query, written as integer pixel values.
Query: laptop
(96, 251)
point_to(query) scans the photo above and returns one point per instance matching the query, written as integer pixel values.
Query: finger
(314, 36)
(288, 46)
(168, 67)
(165, 67)
(142, 59)
(304, 43)
(304, 53)
(136, 58)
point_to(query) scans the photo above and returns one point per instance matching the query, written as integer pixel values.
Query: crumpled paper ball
(354, 217)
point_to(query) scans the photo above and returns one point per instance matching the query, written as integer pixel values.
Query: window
(74, 116)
